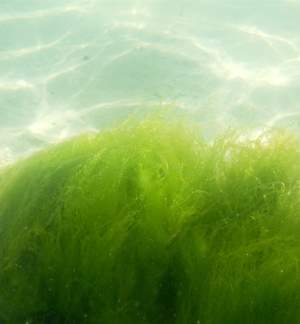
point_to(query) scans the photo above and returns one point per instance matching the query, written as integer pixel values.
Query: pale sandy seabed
(74, 66)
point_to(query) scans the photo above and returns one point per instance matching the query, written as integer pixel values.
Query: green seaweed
(148, 223)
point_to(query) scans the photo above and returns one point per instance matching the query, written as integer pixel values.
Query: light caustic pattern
(75, 66)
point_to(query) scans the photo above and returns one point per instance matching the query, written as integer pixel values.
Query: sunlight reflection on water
(73, 66)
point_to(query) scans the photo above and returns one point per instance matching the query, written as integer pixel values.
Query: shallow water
(73, 66)
(147, 222)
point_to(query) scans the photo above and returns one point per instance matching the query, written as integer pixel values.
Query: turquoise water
(73, 66)
(148, 221)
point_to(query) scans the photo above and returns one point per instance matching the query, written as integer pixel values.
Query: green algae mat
(149, 223)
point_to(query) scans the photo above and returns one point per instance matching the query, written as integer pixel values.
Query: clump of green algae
(148, 223)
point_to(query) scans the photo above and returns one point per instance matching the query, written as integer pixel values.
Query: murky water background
(71, 66)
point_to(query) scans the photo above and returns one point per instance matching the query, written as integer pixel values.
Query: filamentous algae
(149, 223)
